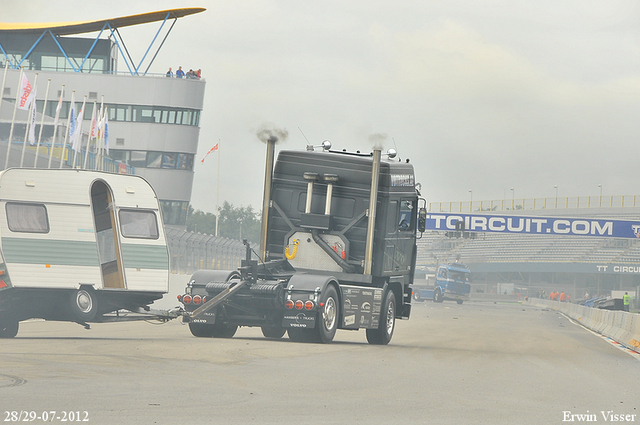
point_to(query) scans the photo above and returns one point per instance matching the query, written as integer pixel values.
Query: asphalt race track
(476, 363)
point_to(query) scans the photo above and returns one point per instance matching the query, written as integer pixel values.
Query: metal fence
(189, 251)
(536, 204)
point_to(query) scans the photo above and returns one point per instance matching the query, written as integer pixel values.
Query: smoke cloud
(269, 131)
(378, 139)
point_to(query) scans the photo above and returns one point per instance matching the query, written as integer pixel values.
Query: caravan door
(109, 250)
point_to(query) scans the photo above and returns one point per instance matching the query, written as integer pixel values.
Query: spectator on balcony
(169, 73)
(179, 73)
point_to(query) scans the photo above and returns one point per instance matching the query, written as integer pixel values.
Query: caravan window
(30, 218)
(138, 224)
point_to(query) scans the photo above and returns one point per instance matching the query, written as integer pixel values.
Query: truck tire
(459, 301)
(9, 328)
(437, 296)
(328, 315)
(84, 304)
(416, 296)
(299, 335)
(202, 330)
(273, 332)
(387, 324)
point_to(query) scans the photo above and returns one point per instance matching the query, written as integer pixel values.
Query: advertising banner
(533, 225)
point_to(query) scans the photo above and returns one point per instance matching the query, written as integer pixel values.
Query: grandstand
(574, 264)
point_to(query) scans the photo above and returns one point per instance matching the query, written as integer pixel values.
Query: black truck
(338, 251)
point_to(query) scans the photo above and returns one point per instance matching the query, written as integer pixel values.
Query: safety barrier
(191, 251)
(620, 326)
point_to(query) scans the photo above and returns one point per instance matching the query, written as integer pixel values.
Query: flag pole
(218, 190)
(4, 79)
(66, 133)
(29, 116)
(13, 119)
(44, 108)
(55, 127)
(91, 129)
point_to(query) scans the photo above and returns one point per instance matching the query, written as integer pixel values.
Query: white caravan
(77, 245)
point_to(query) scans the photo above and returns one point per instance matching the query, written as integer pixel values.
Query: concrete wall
(620, 326)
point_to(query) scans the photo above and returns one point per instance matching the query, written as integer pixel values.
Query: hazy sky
(480, 95)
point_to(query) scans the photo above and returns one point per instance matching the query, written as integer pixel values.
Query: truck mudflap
(299, 320)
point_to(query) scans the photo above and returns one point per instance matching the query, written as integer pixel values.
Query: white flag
(106, 132)
(32, 124)
(77, 141)
(93, 131)
(58, 108)
(72, 119)
(25, 94)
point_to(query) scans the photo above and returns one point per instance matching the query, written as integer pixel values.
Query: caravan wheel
(84, 304)
(8, 328)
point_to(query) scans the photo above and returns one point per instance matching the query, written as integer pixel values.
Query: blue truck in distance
(452, 283)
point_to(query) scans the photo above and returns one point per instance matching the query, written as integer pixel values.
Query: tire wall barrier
(620, 326)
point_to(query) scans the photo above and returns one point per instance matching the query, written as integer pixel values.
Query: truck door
(401, 228)
(107, 235)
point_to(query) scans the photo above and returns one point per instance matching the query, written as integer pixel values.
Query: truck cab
(452, 283)
(338, 251)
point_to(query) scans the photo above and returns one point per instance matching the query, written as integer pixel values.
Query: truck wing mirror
(422, 219)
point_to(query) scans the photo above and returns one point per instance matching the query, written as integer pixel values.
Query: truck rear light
(186, 299)
(197, 299)
(299, 305)
(309, 305)
(204, 300)
(180, 298)
(289, 304)
(3, 284)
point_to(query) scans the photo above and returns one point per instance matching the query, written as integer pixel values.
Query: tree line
(235, 222)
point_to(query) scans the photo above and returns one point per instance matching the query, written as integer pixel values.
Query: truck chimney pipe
(373, 201)
(266, 199)
(330, 179)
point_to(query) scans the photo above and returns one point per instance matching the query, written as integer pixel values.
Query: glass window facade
(129, 113)
(154, 159)
(174, 212)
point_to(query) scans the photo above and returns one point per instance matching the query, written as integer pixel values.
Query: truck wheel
(9, 328)
(328, 315)
(202, 330)
(437, 296)
(299, 335)
(459, 301)
(274, 332)
(387, 324)
(84, 304)
(416, 296)
(224, 331)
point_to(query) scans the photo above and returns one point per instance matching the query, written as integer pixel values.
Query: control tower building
(154, 121)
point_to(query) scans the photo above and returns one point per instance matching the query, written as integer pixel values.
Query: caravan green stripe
(80, 253)
(145, 256)
(50, 251)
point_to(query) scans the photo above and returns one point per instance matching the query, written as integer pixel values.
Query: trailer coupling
(143, 313)
(203, 313)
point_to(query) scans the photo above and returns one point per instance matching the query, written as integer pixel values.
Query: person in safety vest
(563, 297)
(626, 300)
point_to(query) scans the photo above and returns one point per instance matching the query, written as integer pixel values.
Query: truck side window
(28, 218)
(392, 217)
(406, 217)
(138, 224)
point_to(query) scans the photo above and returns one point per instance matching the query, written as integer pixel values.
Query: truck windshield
(460, 276)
